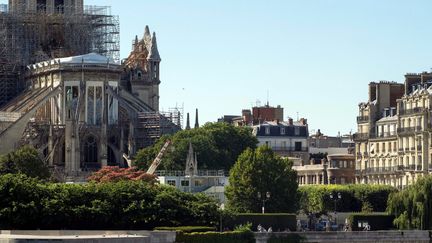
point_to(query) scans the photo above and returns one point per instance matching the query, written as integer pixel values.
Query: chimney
(290, 121)
(303, 121)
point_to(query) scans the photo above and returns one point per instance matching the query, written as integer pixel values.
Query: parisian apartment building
(393, 140)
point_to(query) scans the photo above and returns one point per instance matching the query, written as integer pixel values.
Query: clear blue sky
(313, 57)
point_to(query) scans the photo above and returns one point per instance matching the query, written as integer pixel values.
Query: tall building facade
(394, 132)
(289, 139)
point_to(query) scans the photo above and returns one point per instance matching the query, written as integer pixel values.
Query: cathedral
(84, 111)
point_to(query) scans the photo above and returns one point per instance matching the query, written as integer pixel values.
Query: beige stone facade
(336, 169)
(394, 132)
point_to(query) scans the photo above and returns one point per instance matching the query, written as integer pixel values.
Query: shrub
(187, 229)
(376, 221)
(115, 173)
(355, 198)
(32, 204)
(278, 221)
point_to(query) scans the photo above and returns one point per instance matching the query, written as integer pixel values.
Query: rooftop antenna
(297, 116)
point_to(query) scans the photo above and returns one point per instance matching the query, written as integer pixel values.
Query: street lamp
(264, 199)
(221, 208)
(335, 198)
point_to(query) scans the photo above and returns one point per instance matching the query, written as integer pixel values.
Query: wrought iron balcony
(408, 130)
(362, 119)
(383, 170)
(361, 136)
(412, 111)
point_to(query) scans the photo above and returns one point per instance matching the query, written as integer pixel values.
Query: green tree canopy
(261, 171)
(25, 160)
(217, 146)
(412, 206)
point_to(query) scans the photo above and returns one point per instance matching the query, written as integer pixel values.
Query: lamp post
(221, 208)
(335, 198)
(264, 199)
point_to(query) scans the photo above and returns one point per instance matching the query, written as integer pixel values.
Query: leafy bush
(278, 221)
(355, 198)
(24, 160)
(115, 173)
(187, 229)
(376, 221)
(28, 203)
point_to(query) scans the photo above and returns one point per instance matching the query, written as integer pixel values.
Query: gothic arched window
(90, 150)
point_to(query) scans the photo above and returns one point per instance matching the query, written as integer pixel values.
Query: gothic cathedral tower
(142, 69)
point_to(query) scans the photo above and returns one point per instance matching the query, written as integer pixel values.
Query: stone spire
(154, 53)
(135, 42)
(147, 38)
(187, 122)
(191, 162)
(196, 119)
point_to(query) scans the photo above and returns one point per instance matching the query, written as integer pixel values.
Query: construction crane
(158, 159)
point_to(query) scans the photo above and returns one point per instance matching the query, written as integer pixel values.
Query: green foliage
(115, 173)
(261, 171)
(413, 205)
(217, 146)
(376, 221)
(247, 227)
(355, 198)
(216, 237)
(25, 160)
(187, 229)
(28, 203)
(278, 221)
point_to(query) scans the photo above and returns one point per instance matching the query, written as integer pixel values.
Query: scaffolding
(30, 35)
(151, 126)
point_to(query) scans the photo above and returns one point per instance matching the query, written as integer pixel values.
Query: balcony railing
(217, 173)
(412, 111)
(361, 136)
(383, 170)
(409, 129)
(362, 118)
(385, 134)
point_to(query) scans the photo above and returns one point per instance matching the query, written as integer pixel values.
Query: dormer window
(282, 131)
(267, 130)
(296, 131)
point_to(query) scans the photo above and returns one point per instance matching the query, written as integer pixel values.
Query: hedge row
(376, 221)
(216, 237)
(354, 198)
(27, 203)
(188, 229)
(278, 221)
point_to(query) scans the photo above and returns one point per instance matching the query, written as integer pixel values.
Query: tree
(25, 160)
(412, 206)
(261, 171)
(217, 146)
(115, 173)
